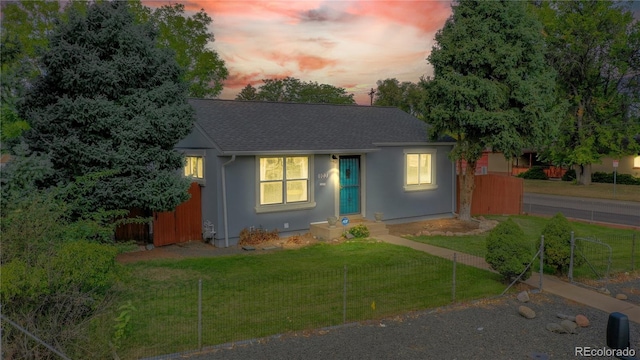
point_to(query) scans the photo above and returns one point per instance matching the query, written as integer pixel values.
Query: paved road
(600, 210)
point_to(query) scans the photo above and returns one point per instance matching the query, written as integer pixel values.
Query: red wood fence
(182, 225)
(495, 194)
(171, 227)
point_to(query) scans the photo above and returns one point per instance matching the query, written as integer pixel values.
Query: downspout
(224, 201)
(453, 188)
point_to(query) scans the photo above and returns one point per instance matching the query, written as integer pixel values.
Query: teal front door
(349, 185)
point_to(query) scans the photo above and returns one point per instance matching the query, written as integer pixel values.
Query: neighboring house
(626, 165)
(285, 166)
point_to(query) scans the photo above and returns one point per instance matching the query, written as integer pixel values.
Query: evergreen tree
(491, 86)
(110, 100)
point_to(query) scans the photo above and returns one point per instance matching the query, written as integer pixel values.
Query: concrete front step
(323, 231)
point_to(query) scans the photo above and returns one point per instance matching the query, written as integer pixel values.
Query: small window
(419, 170)
(636, 162)
(194, 167)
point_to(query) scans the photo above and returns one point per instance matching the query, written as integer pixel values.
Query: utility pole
(371, 93)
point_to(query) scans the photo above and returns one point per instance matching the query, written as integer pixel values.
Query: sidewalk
(550, 284)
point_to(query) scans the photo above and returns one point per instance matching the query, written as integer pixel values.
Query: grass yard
(620, 240)
(595, 190)
(250, 296)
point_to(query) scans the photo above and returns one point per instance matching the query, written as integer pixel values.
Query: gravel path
(488, 329)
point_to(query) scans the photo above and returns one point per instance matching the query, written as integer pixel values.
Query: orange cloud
(427, 16)
(305, 62)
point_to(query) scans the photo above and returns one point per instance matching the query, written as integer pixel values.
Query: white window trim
(421, 187)
(309, 204)
(196, 153)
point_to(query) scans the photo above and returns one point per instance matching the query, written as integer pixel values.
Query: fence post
(633, 252)
(344, 296)
(573, 244)
(453, 288)
(200, 314)
(541, 260)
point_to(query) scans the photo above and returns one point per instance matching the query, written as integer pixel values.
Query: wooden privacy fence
(169, 227)
(495, 194)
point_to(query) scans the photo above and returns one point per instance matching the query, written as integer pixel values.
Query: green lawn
(595, 190)
(620, 240)
(250, 296)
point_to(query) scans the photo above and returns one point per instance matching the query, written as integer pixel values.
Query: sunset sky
(349, 44)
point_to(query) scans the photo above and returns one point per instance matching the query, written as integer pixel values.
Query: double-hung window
(283, 180)
(419, 170)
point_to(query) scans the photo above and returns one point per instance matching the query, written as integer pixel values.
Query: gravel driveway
(487, 329)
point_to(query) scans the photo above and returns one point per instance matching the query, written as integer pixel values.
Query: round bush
(359, 231)
(508, 252)
(557, 243)
(535, 173)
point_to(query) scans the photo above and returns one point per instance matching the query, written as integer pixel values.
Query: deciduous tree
(491, 85)
(290, 89)
(407, 96)
(594, 46)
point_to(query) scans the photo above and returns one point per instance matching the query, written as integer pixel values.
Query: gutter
(224, 201)
(454, 176)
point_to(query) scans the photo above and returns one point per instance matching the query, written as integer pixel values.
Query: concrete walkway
(550, 284)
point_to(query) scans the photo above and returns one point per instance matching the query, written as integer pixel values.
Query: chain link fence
(202, 314)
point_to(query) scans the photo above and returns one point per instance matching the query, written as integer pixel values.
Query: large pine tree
(491, 85)
(111, 101)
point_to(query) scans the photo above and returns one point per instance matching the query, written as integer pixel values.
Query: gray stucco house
(288, 165)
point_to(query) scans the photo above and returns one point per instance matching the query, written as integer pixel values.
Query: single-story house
(287, 165)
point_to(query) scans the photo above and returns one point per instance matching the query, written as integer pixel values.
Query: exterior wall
(241, 200)
(625, 166)
(385, 186)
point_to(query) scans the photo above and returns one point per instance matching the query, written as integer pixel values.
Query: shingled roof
(258, 127)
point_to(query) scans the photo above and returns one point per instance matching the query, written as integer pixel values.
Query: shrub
(557, 243)
(622, 179)
(508, 251)
(359, 231)
(569, 175)
(535, 173)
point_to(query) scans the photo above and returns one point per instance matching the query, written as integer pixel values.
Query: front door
(349, 185)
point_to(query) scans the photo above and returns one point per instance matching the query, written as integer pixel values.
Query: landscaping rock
(150, 246)
(437, 233)
(523, 297)
(570, 326)
(526, 312)
(582, 321)
(556, 328)
(604, 291)
(350, 236)
(248, 248)
(566, 317)
(448, 233)
(621, 296)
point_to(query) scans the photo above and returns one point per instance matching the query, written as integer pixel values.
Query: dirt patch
(201, 249)
(444, 225)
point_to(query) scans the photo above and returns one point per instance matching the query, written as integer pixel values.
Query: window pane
(297, 168)
(412, 169)
(194, 167)
(636, 162)
(271, 169)
(425, 168)
(296, 191)
(271, 193)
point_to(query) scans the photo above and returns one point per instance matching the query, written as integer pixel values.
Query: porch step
(322, 231)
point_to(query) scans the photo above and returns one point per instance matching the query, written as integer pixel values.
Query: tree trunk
(583, 174)
(467, 184)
